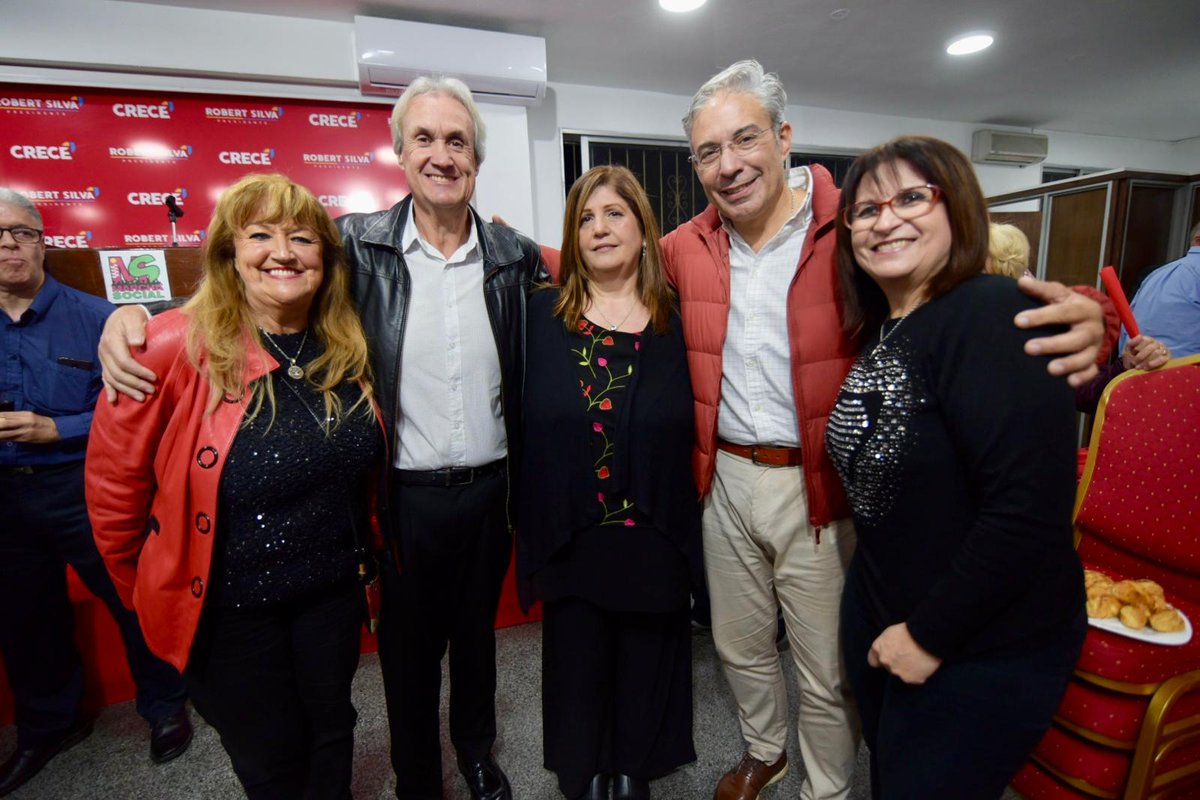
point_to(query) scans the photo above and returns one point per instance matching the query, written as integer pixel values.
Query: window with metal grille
(663, 168)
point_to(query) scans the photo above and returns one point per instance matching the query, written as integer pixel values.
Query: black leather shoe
(27, 762)
(170, 736)
(626, 787)
(598, 788)
(486, 780)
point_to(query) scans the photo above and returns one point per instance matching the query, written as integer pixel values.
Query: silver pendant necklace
(312, 412)
(883, 337)
(608, 322)
(295, 371)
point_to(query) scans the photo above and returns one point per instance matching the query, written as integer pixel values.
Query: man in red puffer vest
(767, 353)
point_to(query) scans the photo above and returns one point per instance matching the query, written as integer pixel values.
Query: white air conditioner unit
(1009, 147)
(499, 67)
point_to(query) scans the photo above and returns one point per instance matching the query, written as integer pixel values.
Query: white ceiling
(1128, 68)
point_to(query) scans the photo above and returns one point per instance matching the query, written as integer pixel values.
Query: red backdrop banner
(99, 163)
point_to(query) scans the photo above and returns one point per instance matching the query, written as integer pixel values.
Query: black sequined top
(957, 452)
(290, 496)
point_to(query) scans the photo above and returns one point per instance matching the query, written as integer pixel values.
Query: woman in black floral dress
(609, 532)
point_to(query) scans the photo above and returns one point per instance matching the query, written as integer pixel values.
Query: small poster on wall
(135, 276)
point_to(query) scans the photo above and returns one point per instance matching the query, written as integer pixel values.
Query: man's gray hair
(22, 202)
(438, 84)
(744, 76)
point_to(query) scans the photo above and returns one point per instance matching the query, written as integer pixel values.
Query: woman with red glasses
(963, 611)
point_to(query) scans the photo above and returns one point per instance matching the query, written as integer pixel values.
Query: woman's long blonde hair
(221, 324)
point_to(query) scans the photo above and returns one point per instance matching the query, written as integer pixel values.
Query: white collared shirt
(450, 408)
(758, 405)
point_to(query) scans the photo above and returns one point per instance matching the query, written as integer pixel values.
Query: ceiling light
(679, 6)
(970, 43)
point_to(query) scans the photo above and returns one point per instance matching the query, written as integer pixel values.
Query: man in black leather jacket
(442, 296)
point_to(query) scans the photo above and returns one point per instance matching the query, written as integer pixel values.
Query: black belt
(454, 476)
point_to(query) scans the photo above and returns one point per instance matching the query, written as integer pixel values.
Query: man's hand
(1080, 344)
(124, 331)
(27, 427)
(1145, 353)
(896, 651)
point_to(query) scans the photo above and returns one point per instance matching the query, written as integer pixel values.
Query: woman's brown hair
(864, 305)
(574, 275)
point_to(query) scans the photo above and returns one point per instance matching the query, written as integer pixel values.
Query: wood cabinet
(1135, 221)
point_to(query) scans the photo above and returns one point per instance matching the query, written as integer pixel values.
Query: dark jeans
(967, 730)
(456, 545)
(45, 527)
(275, 683)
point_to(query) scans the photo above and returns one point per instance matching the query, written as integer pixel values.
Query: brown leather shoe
(750, 777)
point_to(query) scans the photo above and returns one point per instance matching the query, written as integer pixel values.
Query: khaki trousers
(761, 553)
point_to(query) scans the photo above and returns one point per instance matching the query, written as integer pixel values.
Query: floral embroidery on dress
(605, 372)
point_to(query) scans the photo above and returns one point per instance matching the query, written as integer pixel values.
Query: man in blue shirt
(49, 382)
(1167, 304)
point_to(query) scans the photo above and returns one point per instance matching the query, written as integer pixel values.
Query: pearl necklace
(295, 371)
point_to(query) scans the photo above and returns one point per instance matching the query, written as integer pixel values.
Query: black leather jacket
(381, 284)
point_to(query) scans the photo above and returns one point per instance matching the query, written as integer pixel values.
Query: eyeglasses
(22, 234)
(910, 203)
(743, 144)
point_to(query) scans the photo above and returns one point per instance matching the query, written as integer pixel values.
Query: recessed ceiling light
(970, 43)
(679, 6)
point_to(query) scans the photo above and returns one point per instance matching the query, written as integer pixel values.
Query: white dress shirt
(758, 405)
(450, 408)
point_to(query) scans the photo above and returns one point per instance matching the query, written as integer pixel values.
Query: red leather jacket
(697, 263)
(152, 475)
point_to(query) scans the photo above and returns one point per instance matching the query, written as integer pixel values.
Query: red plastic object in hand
(1112, 285)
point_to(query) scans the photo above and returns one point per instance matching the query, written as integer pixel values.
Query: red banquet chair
(1129, 724)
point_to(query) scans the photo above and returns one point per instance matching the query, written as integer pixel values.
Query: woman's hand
(1078, 346)
(125, 330)
(896, 651)
(1145, 353)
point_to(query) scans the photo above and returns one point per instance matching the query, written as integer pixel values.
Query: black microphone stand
(174, 212)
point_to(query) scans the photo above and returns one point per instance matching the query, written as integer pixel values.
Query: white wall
(137, 46)
(600, 110)
(117, 45)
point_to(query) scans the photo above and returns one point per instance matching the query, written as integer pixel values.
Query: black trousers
(616, 692)
(455, 544)
(967, 730)
(45, 527)
(275, 684)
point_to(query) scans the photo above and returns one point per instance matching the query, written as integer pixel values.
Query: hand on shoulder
(1076, 347)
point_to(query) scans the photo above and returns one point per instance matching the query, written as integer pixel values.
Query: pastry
(1103, 607)
(1134, 617)
(1169, 621)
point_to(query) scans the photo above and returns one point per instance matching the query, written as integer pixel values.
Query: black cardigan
(653, 444)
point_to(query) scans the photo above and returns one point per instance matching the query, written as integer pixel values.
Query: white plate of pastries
(1134, 608)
